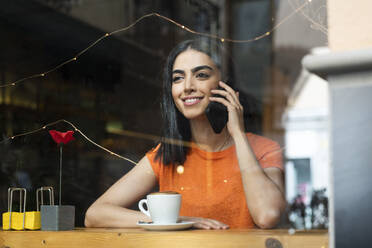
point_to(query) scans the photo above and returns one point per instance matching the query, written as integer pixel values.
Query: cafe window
(96, 68)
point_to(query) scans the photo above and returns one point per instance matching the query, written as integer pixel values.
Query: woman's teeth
(191, 100)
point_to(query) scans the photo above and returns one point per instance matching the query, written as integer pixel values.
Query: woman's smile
(191, 100)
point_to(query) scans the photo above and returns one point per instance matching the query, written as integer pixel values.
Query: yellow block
(17, 221)
(32, 220)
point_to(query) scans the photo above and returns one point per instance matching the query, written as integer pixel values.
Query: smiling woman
(194, 76)
(229, 179)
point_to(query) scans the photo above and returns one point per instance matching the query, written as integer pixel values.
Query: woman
(227, 179)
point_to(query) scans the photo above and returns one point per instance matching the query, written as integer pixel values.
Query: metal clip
(51, 196)
(10, 203)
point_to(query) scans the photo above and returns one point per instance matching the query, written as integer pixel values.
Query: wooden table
(135, 237)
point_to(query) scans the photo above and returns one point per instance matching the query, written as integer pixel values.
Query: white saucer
(166, 227)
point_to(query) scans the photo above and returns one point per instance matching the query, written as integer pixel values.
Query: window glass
(96, 68)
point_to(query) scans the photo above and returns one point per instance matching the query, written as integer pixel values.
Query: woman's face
(194, 75)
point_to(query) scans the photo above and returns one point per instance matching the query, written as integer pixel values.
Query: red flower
(60, 137)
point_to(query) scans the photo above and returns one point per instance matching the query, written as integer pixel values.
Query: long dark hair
(176, 128)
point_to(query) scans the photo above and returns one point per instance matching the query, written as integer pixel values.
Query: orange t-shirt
(211, 184)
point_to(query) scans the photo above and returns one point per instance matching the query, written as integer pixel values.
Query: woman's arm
(263, 188)
(111, 209)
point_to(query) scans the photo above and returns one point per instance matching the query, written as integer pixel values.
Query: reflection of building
(306, 138)
(291, 41)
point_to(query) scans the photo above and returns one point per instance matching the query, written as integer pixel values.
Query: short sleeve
(268, 152)
(272, 156)
(155, 164)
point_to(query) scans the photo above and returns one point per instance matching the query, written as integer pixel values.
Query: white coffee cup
(163, 207)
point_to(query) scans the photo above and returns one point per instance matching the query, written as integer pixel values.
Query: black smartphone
(217, 114)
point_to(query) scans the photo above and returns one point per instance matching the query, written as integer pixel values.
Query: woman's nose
(189, 84)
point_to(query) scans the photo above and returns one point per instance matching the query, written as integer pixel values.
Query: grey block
(57, 218)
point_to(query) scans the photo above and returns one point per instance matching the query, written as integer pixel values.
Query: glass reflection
(112, 93)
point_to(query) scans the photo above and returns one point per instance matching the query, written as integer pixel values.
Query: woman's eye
(202, 75)
(175, 79)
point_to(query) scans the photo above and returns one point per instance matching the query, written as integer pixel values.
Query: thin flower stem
(60, 174)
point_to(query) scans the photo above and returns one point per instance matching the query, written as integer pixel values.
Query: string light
(77, 130)
(319, 26)
(106, 35)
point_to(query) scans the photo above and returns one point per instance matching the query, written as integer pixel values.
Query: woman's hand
(235, 124)
(203, 223)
